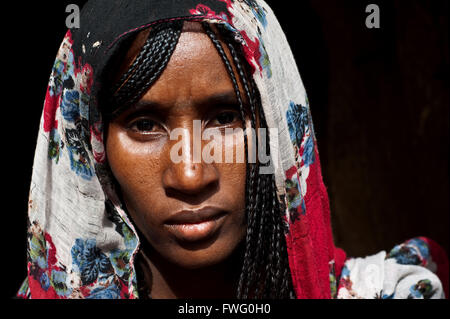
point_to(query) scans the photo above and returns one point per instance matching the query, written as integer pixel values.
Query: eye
(144, 126)
(225, 118)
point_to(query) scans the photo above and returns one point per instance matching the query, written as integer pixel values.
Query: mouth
(196, 225)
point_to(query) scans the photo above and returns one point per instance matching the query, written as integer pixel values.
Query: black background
(379, 99)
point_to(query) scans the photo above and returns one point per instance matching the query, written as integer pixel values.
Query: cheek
(233, 185)
(234, 167)
(137, 168)
(233, 182)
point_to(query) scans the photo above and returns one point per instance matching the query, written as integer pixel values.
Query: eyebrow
(222, 98)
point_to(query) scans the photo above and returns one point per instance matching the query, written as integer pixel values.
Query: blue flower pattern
(308, 154)
(422, 290)
(70, 105)
(91, 262)
(258, 11)
(298, 124)
(413, 252)
(61, 72)
(105, 274)
(59, 283)
(297, 118)
(45, 281)
(110, 292)
(79, 158)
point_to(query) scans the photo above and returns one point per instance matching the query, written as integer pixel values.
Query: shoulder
(408, 271)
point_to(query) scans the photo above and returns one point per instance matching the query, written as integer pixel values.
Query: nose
(190, 178)
(190, 181)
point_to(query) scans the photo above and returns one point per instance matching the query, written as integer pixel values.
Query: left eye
(225, 118)
(144, 126)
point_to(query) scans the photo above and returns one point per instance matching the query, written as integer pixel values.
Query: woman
(132, 194)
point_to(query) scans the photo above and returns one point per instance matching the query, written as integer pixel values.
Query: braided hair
(265, 268)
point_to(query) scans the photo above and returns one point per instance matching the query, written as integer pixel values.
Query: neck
(169, 281)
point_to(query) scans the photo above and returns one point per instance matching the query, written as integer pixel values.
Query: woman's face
(191, 212)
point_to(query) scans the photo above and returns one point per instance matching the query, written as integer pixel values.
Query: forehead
(195, 70)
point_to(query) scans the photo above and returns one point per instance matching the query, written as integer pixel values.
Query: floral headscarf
(81, 243)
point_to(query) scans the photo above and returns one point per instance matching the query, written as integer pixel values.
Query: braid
(282, 276)
(148, 66)
(248, 249)
(265, 272)
(254, 202)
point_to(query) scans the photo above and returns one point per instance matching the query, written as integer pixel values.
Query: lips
(195, 225)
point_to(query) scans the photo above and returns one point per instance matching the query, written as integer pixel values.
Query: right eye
(144, 126)
(225, 118)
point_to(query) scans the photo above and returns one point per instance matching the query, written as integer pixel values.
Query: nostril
(193, 196)
(190, 180)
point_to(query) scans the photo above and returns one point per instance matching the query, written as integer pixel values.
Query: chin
(196, 264)
(194, 256)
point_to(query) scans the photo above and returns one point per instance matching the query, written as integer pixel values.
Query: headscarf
(81, 242)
